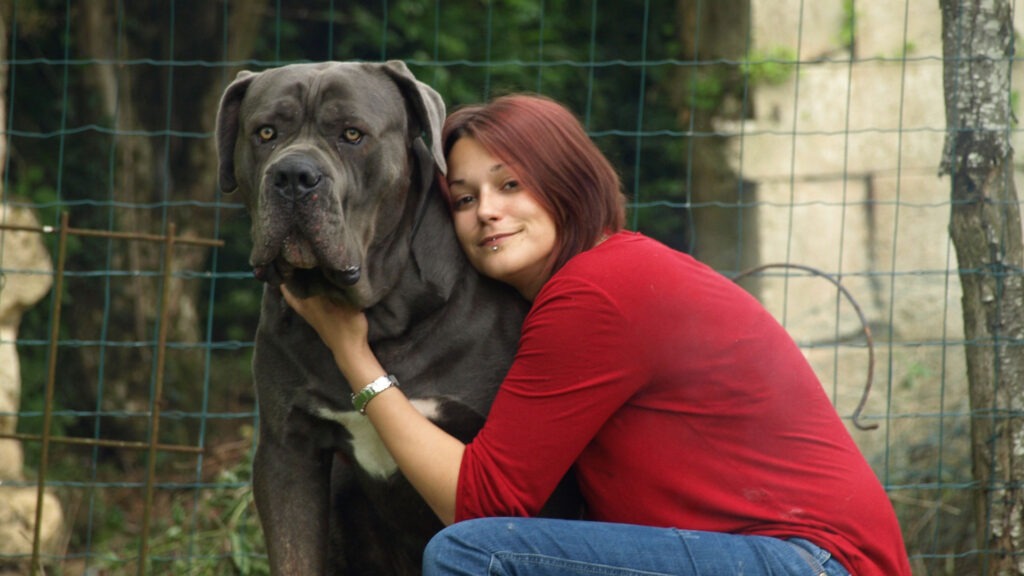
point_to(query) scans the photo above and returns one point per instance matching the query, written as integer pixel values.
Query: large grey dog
(330, 160)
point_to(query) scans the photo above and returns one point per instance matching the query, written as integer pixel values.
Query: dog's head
(331, 162)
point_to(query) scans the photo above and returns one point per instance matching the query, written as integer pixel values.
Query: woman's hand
(428, 456)
(342, 328)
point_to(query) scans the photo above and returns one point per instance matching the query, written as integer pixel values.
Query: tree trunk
(724, 226)
(155, 171)
(5, 18)
(986, 230)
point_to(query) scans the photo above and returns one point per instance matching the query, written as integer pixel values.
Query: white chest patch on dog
(367, 447)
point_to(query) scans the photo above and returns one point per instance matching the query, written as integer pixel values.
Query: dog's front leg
(292, 492)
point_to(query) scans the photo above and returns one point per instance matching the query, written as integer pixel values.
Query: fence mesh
(747, 133)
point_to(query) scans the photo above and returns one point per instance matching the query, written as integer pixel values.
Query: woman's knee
(440, 545)
(461, 548)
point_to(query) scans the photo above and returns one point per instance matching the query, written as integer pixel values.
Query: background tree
(722, 222)
(985, 226)
(132, 154)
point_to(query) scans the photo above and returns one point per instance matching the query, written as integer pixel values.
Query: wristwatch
(362, 398)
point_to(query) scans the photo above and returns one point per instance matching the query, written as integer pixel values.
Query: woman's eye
(352, 135)
(510, 185)
(462, 202)
(266, 133)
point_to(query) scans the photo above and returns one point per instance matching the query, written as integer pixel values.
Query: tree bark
(156, 170)
(724, 226)
(5, 18)
(985, 227)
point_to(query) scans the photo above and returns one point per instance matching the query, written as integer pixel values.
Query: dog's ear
(432, 233)
(432, 238)
(227, 128)
(426, 103)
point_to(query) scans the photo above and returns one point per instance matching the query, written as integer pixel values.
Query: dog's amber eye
(266, 133)
(352, 135)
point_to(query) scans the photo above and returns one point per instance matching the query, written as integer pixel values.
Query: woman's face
(505, 233)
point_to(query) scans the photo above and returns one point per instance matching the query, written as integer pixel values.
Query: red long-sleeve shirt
(682, 403)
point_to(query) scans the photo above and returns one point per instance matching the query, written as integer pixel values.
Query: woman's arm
(428, 456)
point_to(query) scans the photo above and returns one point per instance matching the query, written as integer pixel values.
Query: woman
(702, 441)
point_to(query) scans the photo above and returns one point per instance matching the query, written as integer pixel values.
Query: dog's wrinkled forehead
(333, 93)
(336, 99)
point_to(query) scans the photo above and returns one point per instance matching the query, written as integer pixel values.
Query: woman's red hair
(551, 154)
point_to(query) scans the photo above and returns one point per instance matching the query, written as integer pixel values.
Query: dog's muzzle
(297, 233)
(295, 177)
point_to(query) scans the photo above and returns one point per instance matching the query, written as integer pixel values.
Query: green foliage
(210, 533)
(771, 67)
(472, 52)
(915, 374)
(32, 184)
(848, 27)
(705, 91)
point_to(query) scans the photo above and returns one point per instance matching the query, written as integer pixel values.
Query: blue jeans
(547, 547)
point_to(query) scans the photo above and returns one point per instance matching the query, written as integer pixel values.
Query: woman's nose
(488, 205)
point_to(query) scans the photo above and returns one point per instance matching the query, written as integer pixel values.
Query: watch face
(382, 384)
(362, 398)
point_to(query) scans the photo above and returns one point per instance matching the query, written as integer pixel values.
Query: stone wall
(846, 157)
(27, 277)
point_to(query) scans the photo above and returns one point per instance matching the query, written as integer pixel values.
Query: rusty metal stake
(103, 443)
(153, 446)
(110, 234)
(154, 431)
(51, 377)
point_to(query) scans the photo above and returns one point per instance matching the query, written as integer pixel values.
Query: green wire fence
(747, 132)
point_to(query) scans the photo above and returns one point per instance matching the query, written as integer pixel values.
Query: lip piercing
(494, 248)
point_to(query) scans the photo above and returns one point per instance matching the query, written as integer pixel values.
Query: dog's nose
(294, 177)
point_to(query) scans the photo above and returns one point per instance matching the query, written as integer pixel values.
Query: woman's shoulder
(630, 264)
(628, 253)
(625, 259)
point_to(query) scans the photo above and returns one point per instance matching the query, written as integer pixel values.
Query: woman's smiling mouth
(494, 240)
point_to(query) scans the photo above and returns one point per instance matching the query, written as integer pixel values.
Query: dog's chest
(367, 447)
